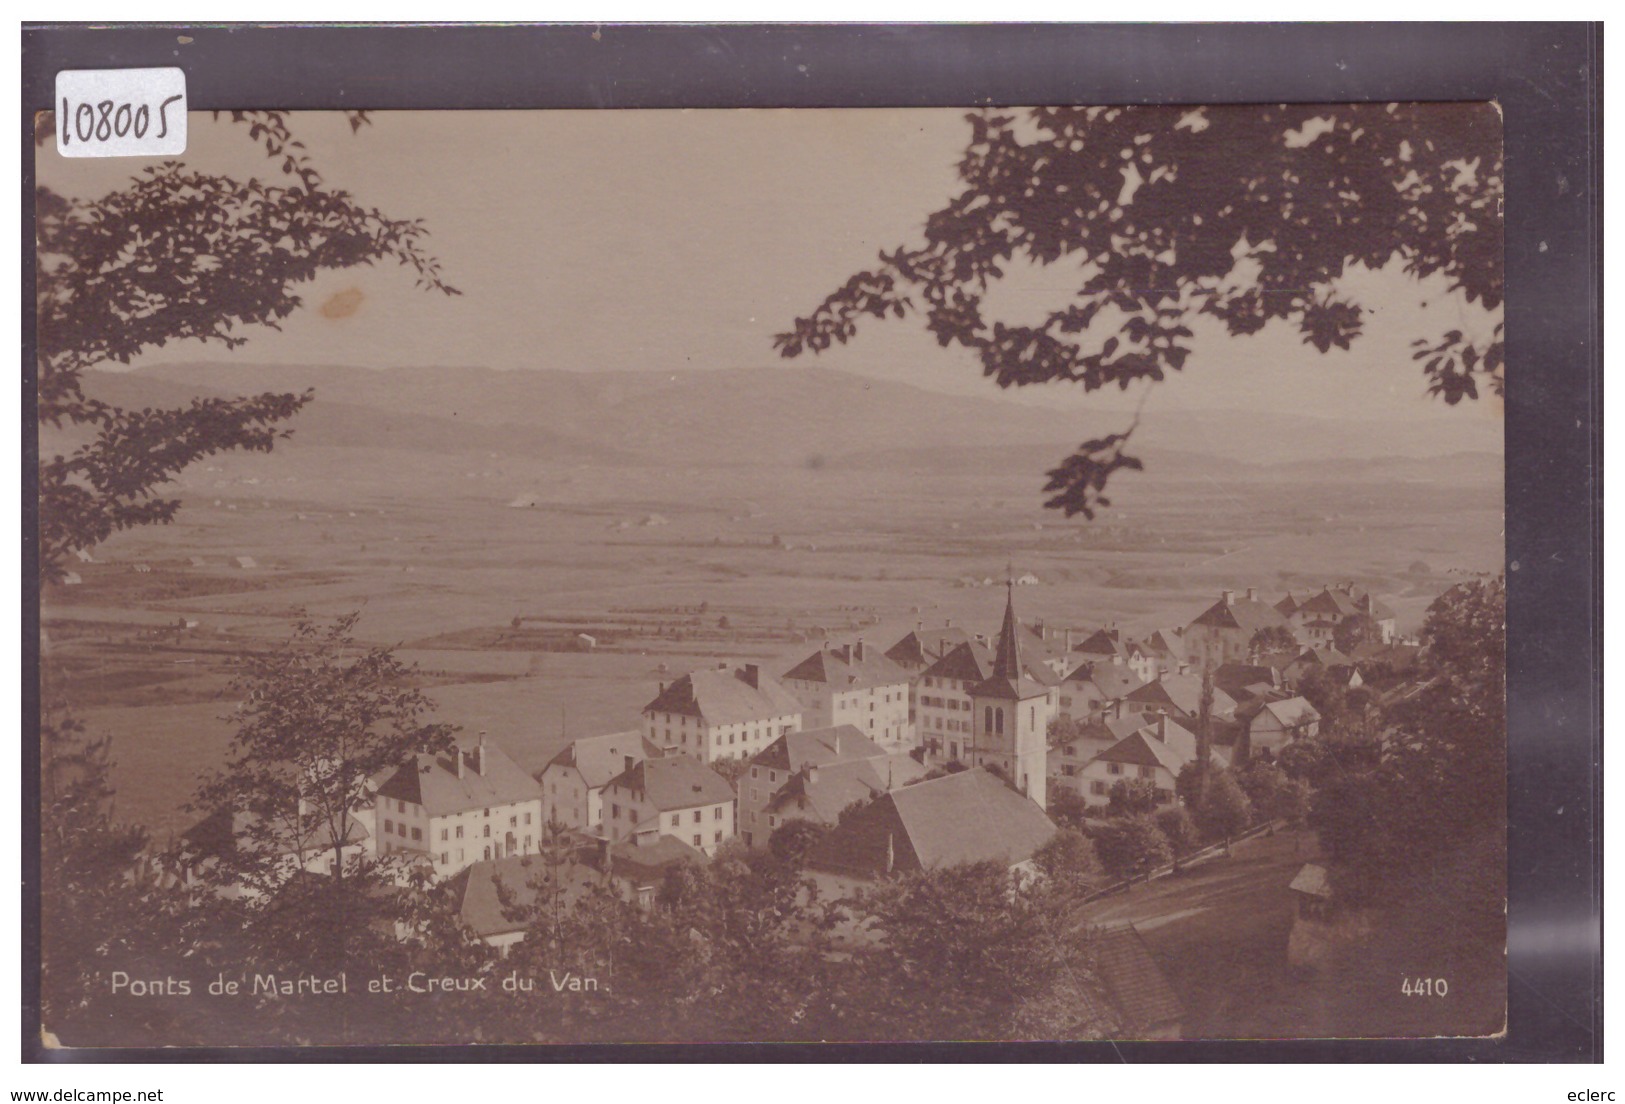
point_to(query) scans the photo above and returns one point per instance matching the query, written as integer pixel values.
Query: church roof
(1010, 679)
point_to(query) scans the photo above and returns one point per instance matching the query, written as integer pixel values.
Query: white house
(720, 713)
(854, 684)
(458, 807)
(675, 796)
(773, 769)
(573, 781)
(1277, 723)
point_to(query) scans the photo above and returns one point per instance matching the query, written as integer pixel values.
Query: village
(946, 747)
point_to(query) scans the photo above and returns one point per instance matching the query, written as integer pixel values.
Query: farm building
(247, 563)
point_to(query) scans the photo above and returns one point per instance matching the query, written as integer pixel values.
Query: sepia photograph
(815, 575)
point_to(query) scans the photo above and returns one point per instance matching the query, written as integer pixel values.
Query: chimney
(662, 689)
(479, 754)
(1229, 596)
(753, 675)
(835, 740)
(1252, 594)
(1069, 641)
(631, 761)
(919, 626)
(1162, 727)
(812, 772)
(857, 649)
(950, 622)
(457, 757)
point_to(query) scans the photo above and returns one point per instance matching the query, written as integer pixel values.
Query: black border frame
(1547, 79)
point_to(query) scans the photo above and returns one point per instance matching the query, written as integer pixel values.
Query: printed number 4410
(1424, 987)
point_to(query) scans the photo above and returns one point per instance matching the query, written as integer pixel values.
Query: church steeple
(1007, 658)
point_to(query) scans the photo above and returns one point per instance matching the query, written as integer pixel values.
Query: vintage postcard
(774, 575)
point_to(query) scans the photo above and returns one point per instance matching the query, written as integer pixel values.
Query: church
(1010, 717)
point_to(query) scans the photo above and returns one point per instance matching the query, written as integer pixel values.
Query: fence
(1200, 855)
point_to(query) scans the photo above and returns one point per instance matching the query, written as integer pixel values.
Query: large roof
(1136, 985)
(1291, 712)
(925, 646)
(1247, 614)
(817, 746)
(1103, 642)
(479, 901)
(433, 782)
(823, 792)
(1011, 680)
(849, 667)
(599, 758)
(966, 817)
(720, 695)
(968, 662)
(1143, 749)
(675, 782)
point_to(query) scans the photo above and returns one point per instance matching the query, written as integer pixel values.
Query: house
(1223, 632)
(1103, 644)
(1338, 667)
(917, 650)
(573, 781)
(1180, 695)
(1243, 680)
(1010, 714)
(1027, 579)
(1318, 616)
(275, 849)
(1066, 760)
(854, 684)
(1274, 724)
(462, 806)
(967, 817)
(1320, 923)
(772, 769)
(676, 796)
(246, 563)
(720, 713)
(943, 701)
(1155, 752)
(1093, 687)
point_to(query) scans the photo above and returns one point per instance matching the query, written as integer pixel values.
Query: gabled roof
(1291, 712)
(817, 746)
(432, 781)
(1311, 879)
(1247, 614)
(824, 792)
(1011, 679)
(1102, 642)
(650, 855)
(966, 817)
(479, 901)
(1181, 692)
(726, 696)
(1142, 749)
(849, 667)
(674, 782)
(923, 647)
(969, 662)
(1111, 680)
(1135, 984)
(1234, 677)
(1164, 645)
(599, 758)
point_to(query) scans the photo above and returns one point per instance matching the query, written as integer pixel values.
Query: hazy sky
(687, 239)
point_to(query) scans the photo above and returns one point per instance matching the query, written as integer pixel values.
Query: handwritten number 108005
(105, 120)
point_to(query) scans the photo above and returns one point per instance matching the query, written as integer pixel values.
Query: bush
(1130, 847)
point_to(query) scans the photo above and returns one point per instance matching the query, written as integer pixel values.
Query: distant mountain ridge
(780, 415)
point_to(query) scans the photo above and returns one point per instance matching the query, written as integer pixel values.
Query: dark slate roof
(647, 858)
(432, 781)
(1136, 985)
(1102, 642)
(675, 782)
(1112, 680)
(849, 667)
(1246, 614)
(966, 817)
(925, 646)
(969, 662)
(724, 696)
(1142, 749)
(1233, 678)
(817, 746)
(599, 758)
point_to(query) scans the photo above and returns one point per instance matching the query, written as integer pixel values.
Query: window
(445, 857)
(1114, 768)
(417, 835)
(614, 811)
(719, 836)
(445, 834)
(488, 812)
(716, 813)
(488, 853)
(389, 825)
(676, 820)
(1098, 789)
(697, 842)
(400, 806)
(1068, 750)
(513, 821)
(487, 831)
(1148, 772)
(527, 818)
(696, 816)
(1069, 770)
(459, 836)
(753, 772)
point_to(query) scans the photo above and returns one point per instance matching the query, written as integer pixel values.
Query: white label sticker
(120, 112)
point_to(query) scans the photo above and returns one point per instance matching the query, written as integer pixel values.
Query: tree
(1070, 857)
(1223, 810)
(1131, 797)
(1130, 847)
(793, 840)
(1179, 830)
(1274, 795)
(1067, 808)
(179, 255)
(1272, 638)
(320, 716)
(1246, 215)
(1355, 630)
